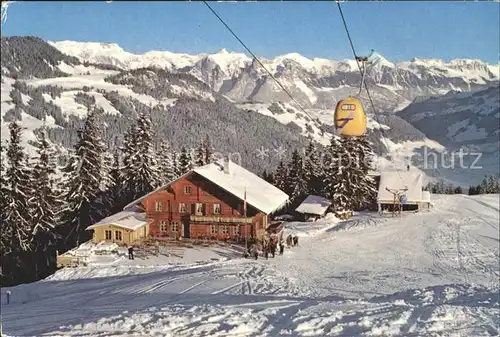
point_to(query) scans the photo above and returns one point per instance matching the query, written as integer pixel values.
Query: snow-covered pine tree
(365, 193)
(199, 159)
(184, 161)
(175, 165)
(331, 167)
(16, 225)
(147, 174)
(341, 174)
(207, 149)
(496, 184)
(165, 162)
(192, 158)
(45, 207)
(83, 177)
(127, 172)
(297, 183)
(313, 169)
(491, 184)
(115, 199)
(106, 197)
(281, 177)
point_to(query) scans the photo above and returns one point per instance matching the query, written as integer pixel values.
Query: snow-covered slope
(429, 274)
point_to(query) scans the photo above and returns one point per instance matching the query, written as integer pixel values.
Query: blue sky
(398, 30)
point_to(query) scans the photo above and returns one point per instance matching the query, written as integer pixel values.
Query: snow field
(425, 274)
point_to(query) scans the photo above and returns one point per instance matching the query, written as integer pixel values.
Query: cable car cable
(320, 126)
(366, 85)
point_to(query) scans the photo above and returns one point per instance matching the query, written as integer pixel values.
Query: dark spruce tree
(281, 177)
(130, 162)
(200, 155)
(46, 205)
(116, 199)
(165, 162)
(83, 177)
(184, 161)
(147, 175)
(16, 231)
(207, 149)
(297, 181)
(313, 170)
(365, 193)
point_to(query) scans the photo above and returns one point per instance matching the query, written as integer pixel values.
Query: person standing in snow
(130, 252)
(295, 240)
(282, 247)
(8, 296)
(273, 249)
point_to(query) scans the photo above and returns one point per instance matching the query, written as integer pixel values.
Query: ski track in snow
(427, 274)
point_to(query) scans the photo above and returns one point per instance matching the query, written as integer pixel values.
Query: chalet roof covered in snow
(413, 180)
(128, 219)
(314, 204)
(260, 194)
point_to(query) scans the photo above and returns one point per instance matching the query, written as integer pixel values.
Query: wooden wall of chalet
(189, 191)
(118, 235)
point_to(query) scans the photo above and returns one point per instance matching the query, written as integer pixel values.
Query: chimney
(226, 165)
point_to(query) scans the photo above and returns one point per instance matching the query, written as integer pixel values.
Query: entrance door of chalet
(185, 222)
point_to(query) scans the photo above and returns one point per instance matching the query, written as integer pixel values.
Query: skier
(8, 296)
(273, 249)
(282, 247)
(295, 240)
(266, 252)
(130, 252)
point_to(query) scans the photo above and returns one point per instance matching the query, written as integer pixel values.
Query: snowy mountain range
(230, 97)
(315, 83)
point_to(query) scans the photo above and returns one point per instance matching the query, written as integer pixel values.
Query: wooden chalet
(208, 203)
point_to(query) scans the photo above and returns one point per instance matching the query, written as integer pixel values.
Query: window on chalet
(118, 235)
(187, 189)
(175, 226)
(182, 208)
(158, 206)
(216, 208)
(163, 226)
(108, 235)
(198, 209)
(213, 229)
(225, 229)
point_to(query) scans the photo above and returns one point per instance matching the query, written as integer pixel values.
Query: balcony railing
(219, 219)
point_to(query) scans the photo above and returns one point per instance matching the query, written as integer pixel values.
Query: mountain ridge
(230, 86)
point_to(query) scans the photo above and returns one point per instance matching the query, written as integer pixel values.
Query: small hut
(122, 228)
(314, 207)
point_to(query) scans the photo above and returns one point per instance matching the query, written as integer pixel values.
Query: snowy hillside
(458, 118)
(467, 122)
(428, 274)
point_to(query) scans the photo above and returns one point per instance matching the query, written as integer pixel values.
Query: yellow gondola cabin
(350, 118)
